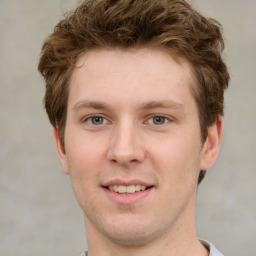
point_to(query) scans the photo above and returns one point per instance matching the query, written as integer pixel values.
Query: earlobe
(60, 150)
(212, 144)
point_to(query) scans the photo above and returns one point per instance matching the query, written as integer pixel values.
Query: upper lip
(126, 182)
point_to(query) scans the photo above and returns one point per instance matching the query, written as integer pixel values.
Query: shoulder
(212, 248)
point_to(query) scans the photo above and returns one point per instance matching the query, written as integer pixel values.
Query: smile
(121, 189)
(127, 192)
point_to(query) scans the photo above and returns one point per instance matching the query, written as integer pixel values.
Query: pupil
(159, 120)
(97, 120)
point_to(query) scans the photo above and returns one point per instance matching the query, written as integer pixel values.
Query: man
(134, 91)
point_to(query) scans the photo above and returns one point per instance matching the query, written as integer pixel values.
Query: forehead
(143, 73)
(118, 60)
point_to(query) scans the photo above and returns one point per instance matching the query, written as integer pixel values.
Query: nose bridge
(126, 144)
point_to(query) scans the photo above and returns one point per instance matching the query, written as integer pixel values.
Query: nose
(126, 146)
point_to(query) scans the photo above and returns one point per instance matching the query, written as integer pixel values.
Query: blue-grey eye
(159, 120)
(97, 120)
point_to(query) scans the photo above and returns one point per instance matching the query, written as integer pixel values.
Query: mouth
(127, 192)
(131, 189)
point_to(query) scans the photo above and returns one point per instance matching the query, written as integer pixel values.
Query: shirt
(211, 248)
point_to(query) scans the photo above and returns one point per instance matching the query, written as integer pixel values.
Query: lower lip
(127, 198)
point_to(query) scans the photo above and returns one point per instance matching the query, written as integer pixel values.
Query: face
(133, 146)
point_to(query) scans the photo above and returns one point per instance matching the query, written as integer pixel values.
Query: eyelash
(105, 120)
(166, 119)
(89, 119)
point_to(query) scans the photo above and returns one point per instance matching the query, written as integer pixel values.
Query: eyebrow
(90, 104)
(168, 104)
(162, 104)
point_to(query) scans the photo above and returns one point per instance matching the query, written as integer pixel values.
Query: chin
(132, 232)
(129, 238)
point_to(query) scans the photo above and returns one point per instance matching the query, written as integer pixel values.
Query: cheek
(178, 167)
(177, 160)
(82, 166)
(84, 150)
(86, 161)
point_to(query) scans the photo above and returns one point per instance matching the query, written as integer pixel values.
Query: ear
(212, 144)
(60, 150)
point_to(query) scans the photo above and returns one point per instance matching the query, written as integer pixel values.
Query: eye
(96, 120)
(158, 120)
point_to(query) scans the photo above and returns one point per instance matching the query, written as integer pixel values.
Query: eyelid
(86, 118)
(168, 118)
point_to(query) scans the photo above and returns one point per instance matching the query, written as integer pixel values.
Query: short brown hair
(170, 24)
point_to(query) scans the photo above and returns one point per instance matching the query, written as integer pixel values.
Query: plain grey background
(39, 214)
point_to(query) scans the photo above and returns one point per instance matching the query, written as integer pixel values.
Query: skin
(131, 116)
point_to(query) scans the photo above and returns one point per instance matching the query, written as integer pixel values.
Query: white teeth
(130, 189)
(121, 189)
(137, 187)
(142, 187)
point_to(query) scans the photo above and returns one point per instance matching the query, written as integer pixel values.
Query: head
(98, 34)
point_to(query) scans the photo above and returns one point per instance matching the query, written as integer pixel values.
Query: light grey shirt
(210, 246)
